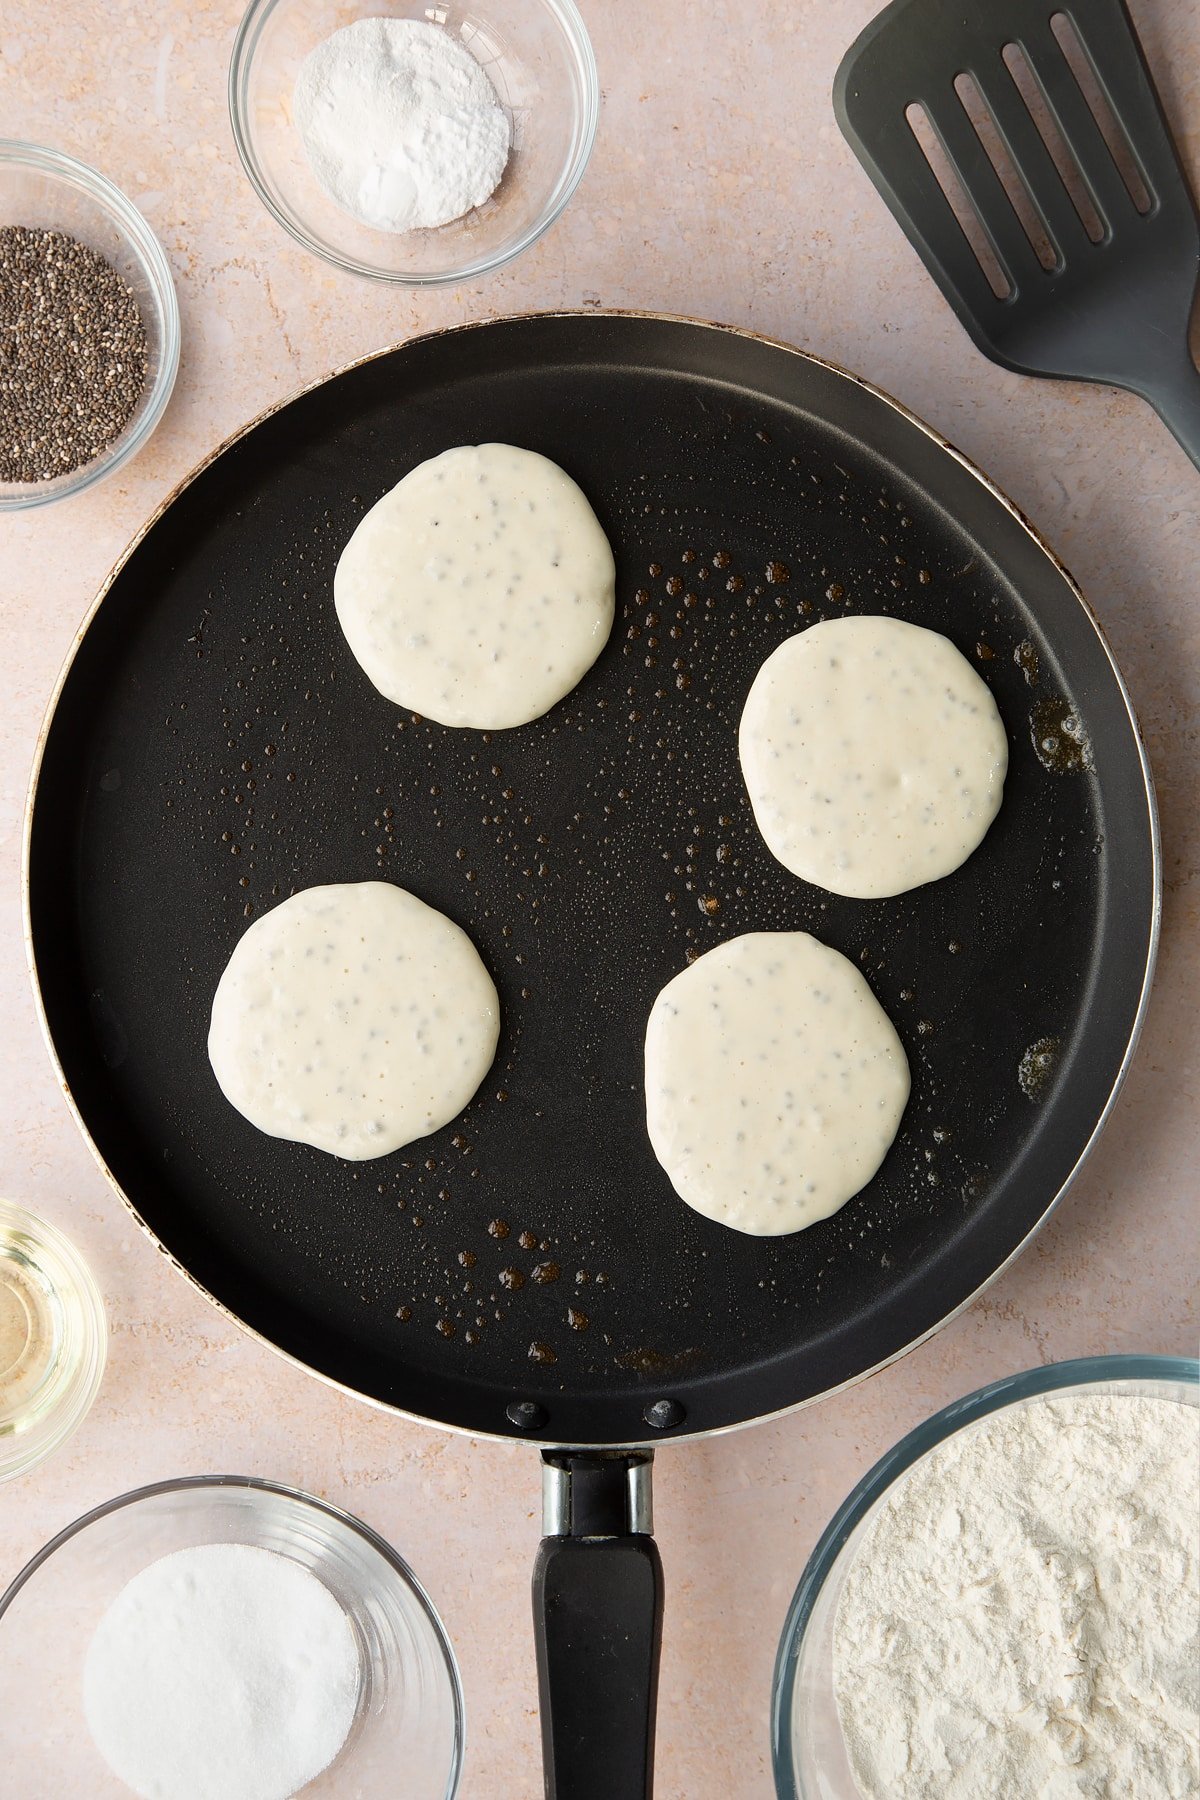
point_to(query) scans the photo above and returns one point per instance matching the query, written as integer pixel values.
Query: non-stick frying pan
(528, 1271)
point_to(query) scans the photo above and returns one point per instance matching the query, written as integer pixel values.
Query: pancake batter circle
(479, 590)
(355, 1018)
(775, 1082)
(873, 754)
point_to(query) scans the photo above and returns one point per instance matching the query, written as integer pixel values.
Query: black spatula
(1059, 223)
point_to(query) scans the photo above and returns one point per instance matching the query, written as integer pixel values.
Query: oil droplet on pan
(1038, 1067)
(1061, 743)
(1026, 659)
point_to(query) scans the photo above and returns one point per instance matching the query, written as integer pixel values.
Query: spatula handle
(1175, 397)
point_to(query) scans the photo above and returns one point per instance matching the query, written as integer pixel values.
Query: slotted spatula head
(1022, 146)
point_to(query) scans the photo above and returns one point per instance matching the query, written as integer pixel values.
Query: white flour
(401, 125)
(1022, 1618)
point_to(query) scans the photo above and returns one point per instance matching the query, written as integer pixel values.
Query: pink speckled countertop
(720, 187)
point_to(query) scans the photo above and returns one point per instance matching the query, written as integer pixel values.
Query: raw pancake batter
(873, 754)
(355, 1018)
(775, 1082)
(480, 589)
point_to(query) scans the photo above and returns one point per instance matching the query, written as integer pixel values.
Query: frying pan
(528, 1271)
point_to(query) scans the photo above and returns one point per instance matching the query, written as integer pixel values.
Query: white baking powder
(1021, 1620)
(222, 1672)
(401, 125)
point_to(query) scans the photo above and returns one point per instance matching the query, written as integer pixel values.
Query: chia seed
(73, 354)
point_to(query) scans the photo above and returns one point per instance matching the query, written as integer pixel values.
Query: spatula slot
(959, 201)
(1059, 151)
(1078, 60)
(1009, 176)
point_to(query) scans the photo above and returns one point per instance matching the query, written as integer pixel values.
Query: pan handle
(597, 1615)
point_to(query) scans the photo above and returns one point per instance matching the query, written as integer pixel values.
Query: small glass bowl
(408, 1731)
(808, 1750)
(540, 60)
(53, 1337)
(49, 191)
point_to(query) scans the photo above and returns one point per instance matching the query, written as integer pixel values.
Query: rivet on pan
(664, 1414)
(526, 1415)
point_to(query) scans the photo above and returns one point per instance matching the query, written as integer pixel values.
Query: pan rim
(972, 469)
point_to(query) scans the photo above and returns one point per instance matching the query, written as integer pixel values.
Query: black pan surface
(214, 747)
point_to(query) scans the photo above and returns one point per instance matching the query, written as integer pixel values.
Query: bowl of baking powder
(413, 144)
(1009, 1602)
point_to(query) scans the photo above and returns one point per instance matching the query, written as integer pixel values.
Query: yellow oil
(28, 1339)
(52, 1338)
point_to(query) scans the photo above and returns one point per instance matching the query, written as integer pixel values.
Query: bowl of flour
(414, 145)
(1009, 1602)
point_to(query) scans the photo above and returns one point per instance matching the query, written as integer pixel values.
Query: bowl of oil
(53, 1337)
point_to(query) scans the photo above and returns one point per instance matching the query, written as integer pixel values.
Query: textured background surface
(720, 187)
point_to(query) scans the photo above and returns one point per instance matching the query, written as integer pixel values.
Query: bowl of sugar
(1009, 1601)
(414, 144)
(222, 1635)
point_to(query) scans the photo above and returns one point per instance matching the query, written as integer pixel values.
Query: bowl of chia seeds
(89, 327)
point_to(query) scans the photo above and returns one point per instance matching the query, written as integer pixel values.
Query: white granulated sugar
(401, 125)
(1022, 1618)
(222, 1672)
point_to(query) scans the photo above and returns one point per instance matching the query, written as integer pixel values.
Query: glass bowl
(540, 60)
(408, 1730)
(48, 190)
(53, 1337)
(808, 1751)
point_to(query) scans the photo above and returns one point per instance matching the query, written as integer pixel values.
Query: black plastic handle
(1175, 397)
(597, 1614)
